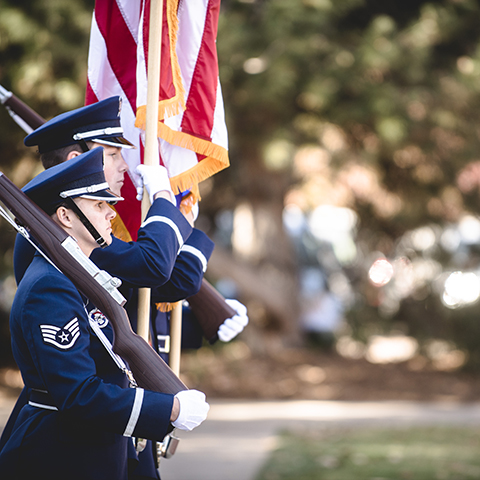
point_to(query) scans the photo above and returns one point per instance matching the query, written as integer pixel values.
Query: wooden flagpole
(151, 140)
(151, 158)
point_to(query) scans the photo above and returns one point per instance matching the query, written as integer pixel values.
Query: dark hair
(59, 155)
(50, 211)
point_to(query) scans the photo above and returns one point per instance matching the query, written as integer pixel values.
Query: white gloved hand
(195, 211)
(193, 409)
(231, 327)
(155, 179)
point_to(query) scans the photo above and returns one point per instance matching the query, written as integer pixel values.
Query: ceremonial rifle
(208, 305)
(24, 116)
(148, 368)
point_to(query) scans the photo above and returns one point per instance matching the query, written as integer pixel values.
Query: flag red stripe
(90, 96)
(167, 88)
(199, 115)
(129, 210)
(121, 47)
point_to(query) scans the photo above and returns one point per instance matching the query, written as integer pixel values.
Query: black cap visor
(121, 142)
(103, 195)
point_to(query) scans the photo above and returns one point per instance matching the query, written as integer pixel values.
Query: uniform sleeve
(23, 253)
(192, 334)
(56, 329)
(150, 260)
(190, 266)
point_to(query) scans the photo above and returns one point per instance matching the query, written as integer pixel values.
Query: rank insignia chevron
(61, 337)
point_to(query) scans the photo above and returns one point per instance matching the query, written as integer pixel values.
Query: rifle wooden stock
(149, 370)
(29, 116)
(210, 310)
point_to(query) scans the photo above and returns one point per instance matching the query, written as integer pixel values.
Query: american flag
(192, 132)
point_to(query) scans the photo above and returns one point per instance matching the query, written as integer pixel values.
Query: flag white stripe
(130, 12)
(141, 67)
(189, 40)
(219, 131)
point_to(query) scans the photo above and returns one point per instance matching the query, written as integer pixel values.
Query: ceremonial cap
(98, 122)
(82, 176)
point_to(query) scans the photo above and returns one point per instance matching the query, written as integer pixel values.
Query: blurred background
(348, 222)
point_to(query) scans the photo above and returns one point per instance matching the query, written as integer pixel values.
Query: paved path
(237, 437)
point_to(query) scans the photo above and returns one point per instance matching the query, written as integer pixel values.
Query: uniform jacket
(79, 429)
(169, 255)
(168, 252)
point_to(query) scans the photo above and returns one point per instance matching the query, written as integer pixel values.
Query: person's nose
(124, 166)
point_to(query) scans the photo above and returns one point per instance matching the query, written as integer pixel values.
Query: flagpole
(151, 138)
(151, 158)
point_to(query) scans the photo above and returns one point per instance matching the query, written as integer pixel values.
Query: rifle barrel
(13, 103)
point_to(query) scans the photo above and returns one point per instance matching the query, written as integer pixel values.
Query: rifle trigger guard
(168, 447)
(140, 444)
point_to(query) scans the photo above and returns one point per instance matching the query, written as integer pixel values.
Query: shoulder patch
(61, 337)
(98, 317)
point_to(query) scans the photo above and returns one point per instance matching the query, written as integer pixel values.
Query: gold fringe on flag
(165, 306)
(215, 161)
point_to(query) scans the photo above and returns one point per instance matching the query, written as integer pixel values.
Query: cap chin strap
(83, 145)
(92, 230)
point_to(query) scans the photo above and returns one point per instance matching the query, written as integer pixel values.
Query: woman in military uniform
(80, 412)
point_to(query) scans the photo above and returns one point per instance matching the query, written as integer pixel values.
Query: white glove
(195, 211)
(231, 327)
(155, 179)
(193, 409)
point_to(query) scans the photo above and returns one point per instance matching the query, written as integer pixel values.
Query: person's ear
(72, 154)
(63, 216)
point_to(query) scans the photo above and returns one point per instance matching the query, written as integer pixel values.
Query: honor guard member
(150, 261)
(135, 263)
(80, 412)
(61, 139)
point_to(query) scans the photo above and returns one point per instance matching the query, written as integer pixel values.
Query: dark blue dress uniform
(147, 262)
(80, 414)
(152, 260)
(81, 428)
(167, 253)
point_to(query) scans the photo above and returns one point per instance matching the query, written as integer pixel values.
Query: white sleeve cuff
(136, 409)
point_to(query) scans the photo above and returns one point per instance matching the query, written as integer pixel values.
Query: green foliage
(388, 93)
(387, 77)
(43, 60)
(365, 104)
(420, 453)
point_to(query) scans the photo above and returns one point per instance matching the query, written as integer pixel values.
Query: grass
(430, 453)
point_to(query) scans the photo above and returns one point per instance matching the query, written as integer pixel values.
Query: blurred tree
(370, 105)
(43, 60)
(365, 104)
